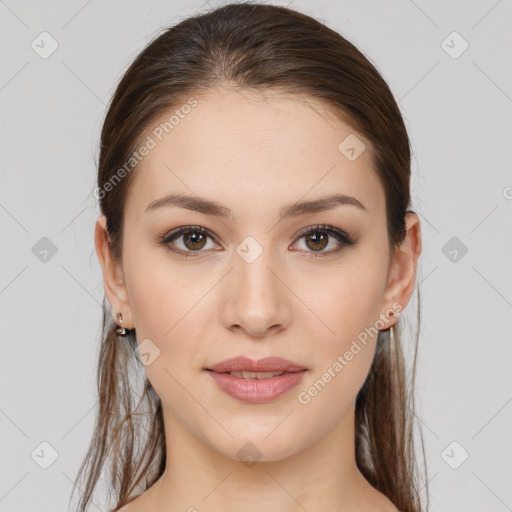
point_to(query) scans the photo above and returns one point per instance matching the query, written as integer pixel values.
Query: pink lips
(267, 364)
(256, 390)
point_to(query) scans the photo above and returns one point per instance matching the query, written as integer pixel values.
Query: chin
(258, 447)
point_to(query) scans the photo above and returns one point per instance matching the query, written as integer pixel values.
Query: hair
(250, 46)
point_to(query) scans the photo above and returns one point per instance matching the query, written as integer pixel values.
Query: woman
(257, 247)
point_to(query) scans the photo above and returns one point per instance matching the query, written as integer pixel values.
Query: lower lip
(257, 391)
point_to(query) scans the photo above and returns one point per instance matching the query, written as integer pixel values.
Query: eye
(317, 239)
(194, 239)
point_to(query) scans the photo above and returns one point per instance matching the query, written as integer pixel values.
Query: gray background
(457, 108)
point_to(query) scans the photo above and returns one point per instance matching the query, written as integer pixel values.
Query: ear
(113, 278)
(402, 272)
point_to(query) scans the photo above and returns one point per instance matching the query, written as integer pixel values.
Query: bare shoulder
(387, 506)
(142, 503)
(381, 503)
(128, 508)
(135, 505)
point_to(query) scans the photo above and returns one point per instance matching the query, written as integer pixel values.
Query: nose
(256, 300)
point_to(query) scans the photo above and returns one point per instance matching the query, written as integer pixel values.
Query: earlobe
(113, 278)
(402, 275)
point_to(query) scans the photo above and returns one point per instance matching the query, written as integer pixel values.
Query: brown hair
(260, 47)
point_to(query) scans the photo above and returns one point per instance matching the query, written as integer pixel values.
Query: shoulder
(381, 503)
(140, 503)
(389, 507)
(132, 506)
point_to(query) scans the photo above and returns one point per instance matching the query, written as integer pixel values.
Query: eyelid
(326, 228)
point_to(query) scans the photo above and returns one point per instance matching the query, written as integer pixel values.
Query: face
(256, 278)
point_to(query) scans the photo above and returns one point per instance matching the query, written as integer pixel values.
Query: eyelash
(339, 235)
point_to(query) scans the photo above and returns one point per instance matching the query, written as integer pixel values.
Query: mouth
(258, 381)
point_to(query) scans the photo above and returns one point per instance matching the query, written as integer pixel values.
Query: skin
(235, 148)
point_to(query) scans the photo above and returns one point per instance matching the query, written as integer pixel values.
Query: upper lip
(267, 364)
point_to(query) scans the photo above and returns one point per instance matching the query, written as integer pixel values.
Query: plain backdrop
(448, 65)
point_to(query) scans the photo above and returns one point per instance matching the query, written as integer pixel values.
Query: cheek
(172, 308)
(342, 360)
(158, 292)
(347, 300)
(348, 306)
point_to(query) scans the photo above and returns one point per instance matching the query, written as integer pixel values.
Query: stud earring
(120, 330)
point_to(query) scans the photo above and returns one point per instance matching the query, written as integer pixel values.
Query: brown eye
(188, 241)
(318, 239)
(194, 241)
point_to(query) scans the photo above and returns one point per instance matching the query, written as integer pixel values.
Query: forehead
(249, 150)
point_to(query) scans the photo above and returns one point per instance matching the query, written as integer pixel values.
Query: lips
(267, 364)
(256, 382)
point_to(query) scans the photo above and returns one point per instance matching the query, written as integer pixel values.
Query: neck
(322, 476)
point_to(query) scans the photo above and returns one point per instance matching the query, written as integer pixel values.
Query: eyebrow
(207, 207)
